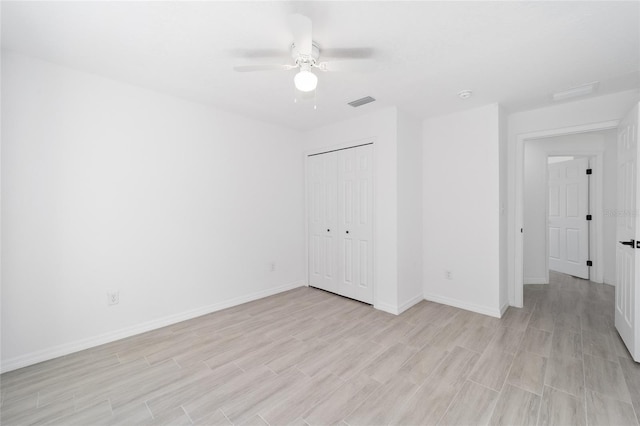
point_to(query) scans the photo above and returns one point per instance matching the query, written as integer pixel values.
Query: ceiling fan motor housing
(301, 58)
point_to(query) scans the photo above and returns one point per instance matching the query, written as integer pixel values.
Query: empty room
(320, 213)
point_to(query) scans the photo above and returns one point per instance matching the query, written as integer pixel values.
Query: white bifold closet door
(340, 211)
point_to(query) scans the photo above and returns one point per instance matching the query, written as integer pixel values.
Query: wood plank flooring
(307, 357)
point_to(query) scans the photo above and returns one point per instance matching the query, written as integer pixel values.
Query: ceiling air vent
(361, 101)
(585, 89)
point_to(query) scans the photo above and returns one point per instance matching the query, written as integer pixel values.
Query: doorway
(597, 143)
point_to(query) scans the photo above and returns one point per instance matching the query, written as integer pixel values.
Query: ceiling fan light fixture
(305, 80)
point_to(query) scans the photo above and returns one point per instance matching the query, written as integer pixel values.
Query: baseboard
(463, 305)
(79, 345)
(503, 309)
(534, 280)
(387, 308)
(409, 303)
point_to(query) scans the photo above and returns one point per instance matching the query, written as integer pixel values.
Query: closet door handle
(328, 230)
(628, 243)
(347, 232)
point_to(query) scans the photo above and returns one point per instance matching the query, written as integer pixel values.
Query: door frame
(326, 149)
(516, 288)
(596, 209)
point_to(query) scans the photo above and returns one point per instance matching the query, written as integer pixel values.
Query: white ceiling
(514, 53)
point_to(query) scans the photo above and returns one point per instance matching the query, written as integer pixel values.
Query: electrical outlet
(448, 275)
(113, 297)
(273, 266)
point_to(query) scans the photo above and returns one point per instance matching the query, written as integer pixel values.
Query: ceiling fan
(306, 56)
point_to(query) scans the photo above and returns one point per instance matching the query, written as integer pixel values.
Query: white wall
(108, 186)
(535, 198)
(461, 209)
(182, 207)
(535, 216)
(504, 220)
(379, 127)
(568, 114)
(610, 205)
(409, 210)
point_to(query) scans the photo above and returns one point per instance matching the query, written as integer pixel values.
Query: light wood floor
(309, 357)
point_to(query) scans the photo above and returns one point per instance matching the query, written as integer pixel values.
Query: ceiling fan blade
(358, 65)
(259, 53)
(249, 68)
(301, 30)
(348, 52)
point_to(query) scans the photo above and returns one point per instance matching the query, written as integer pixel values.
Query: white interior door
(626, 302)
(322, 181)
(355, 248)
(568, 225)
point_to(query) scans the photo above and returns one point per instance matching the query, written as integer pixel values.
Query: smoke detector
(465, 94)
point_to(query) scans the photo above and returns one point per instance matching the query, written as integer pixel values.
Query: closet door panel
(364, 225)
(355, 223)
(322, 210)
(346, 206)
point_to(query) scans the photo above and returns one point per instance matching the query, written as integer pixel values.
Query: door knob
(631, 243)
(328, 230)
(347, 232)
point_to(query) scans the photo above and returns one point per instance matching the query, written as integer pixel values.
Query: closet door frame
(338, 147)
